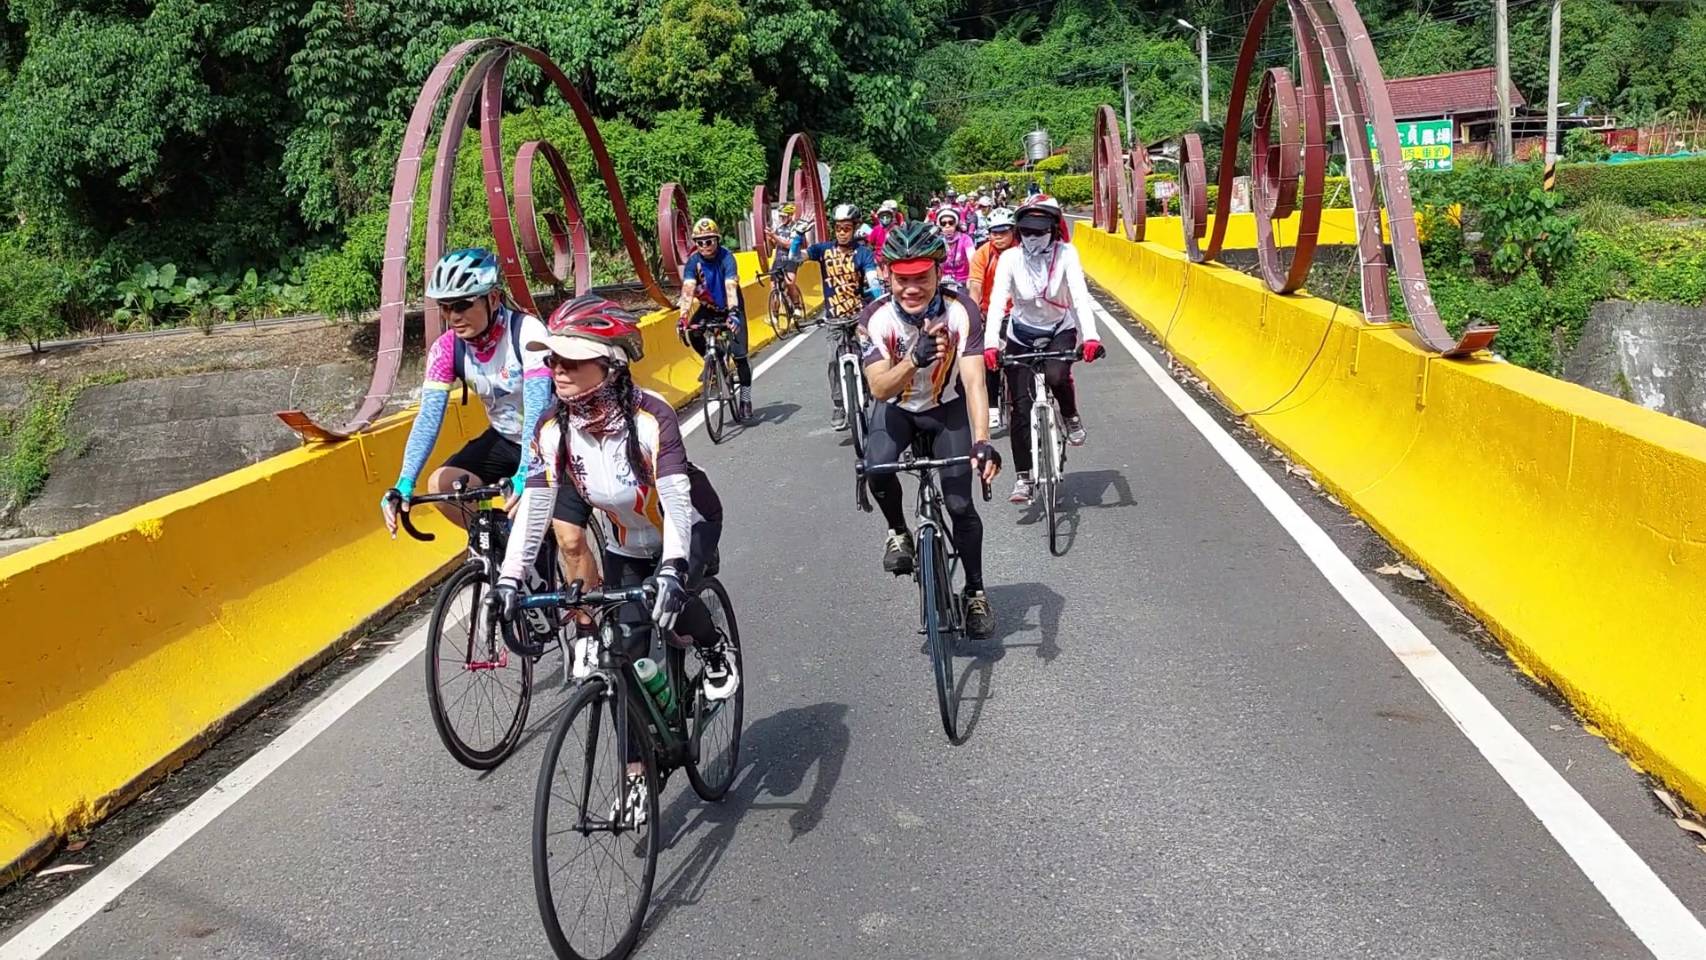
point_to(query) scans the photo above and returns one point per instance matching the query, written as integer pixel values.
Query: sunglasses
(1035, 233)
(562, 363)
(458, 306)
(705, 241)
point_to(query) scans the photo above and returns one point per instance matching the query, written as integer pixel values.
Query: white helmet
(845, 211)
(986, 201)
(1001, 219)
(469, 272)
(889, 206)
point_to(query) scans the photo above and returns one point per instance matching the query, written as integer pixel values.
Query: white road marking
(1655, 915)
(35, 940)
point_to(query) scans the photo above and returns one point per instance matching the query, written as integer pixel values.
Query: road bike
(717, 379)
(479, 671)
(1048, 437)
(787, 311)
(594, 852)
(935, 563)
(847, 379)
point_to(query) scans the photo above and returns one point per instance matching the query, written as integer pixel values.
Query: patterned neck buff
(597, 412)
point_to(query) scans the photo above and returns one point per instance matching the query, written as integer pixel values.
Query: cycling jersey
(712, 274)
(640, 520)
(957, 267)
(847, 272)
(1041, 295)
(892, 334)
(513, 383)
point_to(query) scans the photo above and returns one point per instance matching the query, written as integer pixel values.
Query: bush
(340, 285)
(1582, 145)
(32, 296)
(1054, 164)
(1642, 183)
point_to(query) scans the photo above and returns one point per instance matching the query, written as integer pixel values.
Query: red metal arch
(801, 186)
(1334, 46)
(483, 81)
(675, 221)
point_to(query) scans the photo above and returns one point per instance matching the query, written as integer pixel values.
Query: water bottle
(655, 683)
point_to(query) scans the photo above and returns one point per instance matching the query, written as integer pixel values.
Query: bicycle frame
(847, 358)
(1046, 425)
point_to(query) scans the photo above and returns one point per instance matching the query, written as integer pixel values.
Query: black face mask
(931, 310)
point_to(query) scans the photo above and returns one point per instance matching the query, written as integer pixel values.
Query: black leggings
(892, 431)
(621, 570)
(1057, 375)
(737, 343)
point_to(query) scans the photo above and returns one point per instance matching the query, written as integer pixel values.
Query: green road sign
(1426, 143)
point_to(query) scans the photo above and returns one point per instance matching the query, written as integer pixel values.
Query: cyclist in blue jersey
(850, 280)
(711, 282)
(485, 347)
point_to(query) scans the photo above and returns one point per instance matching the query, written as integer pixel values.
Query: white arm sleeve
(1081, 303)
(1000, 298)
(531, 520)
(675, 495)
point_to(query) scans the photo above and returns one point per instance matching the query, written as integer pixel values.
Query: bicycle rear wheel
(940, 625)
(592, 876)
(714, 395)
(715, 725)
(478, 690)
(856, 423)
(778, 316)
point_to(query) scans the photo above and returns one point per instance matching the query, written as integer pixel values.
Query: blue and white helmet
(469, 272)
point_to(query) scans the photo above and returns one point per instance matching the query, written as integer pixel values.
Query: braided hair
(620, 381)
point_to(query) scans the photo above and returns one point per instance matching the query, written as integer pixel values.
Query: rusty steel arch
(1334, 52)
(801, 185)
(482, 83)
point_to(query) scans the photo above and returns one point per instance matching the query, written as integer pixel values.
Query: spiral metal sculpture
(570, 261)
(1288, 142)
(799, 185)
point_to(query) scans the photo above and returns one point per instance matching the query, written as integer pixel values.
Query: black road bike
(847, 379)
(717, 387)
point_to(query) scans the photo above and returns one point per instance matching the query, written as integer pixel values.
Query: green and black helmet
(914, 240)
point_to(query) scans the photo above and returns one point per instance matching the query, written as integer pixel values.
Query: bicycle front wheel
(715, 725)
(478, 690)
(778, 316)
(594, 855)
(713, 393)
(940, 624)
(856, 423)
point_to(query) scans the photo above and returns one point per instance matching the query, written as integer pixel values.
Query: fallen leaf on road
(1691, 827)
(1401, 570)
(1669, 802)
(76, 845)
(63, 868)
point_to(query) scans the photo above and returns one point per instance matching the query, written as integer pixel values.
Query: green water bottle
(655, 683)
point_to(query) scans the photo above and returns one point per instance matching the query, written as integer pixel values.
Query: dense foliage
(195, 160)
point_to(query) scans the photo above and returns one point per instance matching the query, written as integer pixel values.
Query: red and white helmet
(592, 328)
(1042, 210)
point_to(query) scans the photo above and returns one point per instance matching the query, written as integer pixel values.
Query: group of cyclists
(576, 441)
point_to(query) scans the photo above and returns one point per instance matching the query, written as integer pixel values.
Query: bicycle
(787, 311)
(717, 379)
(942, 615)
(847, 378)
(479, 659)
(616, 711)
(1048, 434)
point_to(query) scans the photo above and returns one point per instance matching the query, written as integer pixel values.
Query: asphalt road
(1183, 743)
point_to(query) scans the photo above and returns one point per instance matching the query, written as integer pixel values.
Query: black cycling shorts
(495, 458)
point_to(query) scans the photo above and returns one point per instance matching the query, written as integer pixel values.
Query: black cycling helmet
(914, 240)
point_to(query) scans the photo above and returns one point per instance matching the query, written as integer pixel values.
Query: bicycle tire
(1051, 498)
(776, 318)
(933, 592)
(471, 755)
(856, 424)
(711, 776)
(731, 390)
(593, 695)
(712, 395)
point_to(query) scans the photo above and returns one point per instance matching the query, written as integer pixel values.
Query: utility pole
(1552, 96)
(1125, 90)
(1202, 52)
(1502, 40)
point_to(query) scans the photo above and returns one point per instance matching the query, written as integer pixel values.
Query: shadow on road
(771, 413)
(1013, 603)
(777, 755)
(1096, 489)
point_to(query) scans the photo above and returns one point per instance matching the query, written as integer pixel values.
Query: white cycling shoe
(721, 678)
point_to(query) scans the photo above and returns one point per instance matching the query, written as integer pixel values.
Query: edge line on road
(1650, 909)
(63, 918)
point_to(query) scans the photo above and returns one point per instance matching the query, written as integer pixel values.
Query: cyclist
(788, 237)
(617, 451)
(981, 283)
(923, 369)
(957, 266)
(850, 281)
(887, 216)
(980, 226)
(486, 348)
(1039, 286)
(711, 280)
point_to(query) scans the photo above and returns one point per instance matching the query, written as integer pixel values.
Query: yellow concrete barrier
(1571, 523)
(1338, 228)
(130, 643)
